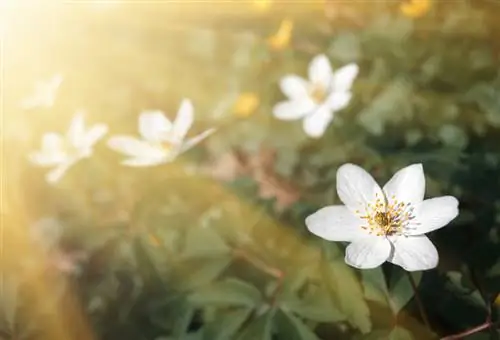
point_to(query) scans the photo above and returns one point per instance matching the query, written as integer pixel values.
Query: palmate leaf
(226, 324)
(400, 288)
(346, 291)
(198, 272)
(259, 328)
(230, 292)
(290, 327)
(374, 285)
(204, 242)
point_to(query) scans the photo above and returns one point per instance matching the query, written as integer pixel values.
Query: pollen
(318, 93)
(387, 216)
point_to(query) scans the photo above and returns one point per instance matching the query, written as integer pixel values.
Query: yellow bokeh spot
(154, 240)
(263, 5)
(246, 104)
(497, 300)
(281, 39)
(416, 8)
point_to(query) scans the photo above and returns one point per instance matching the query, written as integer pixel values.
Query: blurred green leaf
(201, 271)
(204, 242)
(226, 324)
(400, 288)
(400, 333)
(346, 47)
(374, 285)
(231, 292)
(291, 328)
(346, 290)
(259, 328)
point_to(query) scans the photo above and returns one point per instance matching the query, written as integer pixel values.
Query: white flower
(61, 152)
(385, 224)
(162, 140)
(44, 93)
(317, 99)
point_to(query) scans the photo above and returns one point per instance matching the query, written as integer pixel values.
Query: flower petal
(46, 159)
(356, 187)
(414, 253)
(343, 78)
(56, 174)
(320, 71)
(316, 123)
(52, 142)
(183, 121)
(144, 162)
(433, 214)
(368, 252)
(95, 133)
(407, 185)
(76, 130)
(335, 223)
(135, 147)
(195, 140)
(294, 87)
(154, 125)
(339, 100)
(291, 110)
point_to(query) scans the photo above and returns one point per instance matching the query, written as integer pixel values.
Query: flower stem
(419, 302)
(476, 329)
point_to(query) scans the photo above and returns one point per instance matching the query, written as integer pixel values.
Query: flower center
(387, 217)
(318, 93)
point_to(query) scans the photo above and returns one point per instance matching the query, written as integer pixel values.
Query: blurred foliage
(214, 246)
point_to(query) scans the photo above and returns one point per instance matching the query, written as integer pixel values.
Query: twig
(476, 329)
(419, 302)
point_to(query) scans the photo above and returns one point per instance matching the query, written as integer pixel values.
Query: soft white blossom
(384, 224)
(317, 99)
(161, 140)
(44, 94)
(60, 152)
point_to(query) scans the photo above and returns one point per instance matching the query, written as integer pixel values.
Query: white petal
(356, 187)
(433, 214)
(95, 133)
(344, 77)
(183, 121)
(135, 147)
(76, 131)
(46, 159)
(56, 174)
(195, 140)
(316, 123)
(320, 71)
(407, 185)
(339, 100)
(335, 223)
(143, 162)
(414, 253)
(291, 110)
(294, 87)
(368, 252)
(52, 142)
(154, 125)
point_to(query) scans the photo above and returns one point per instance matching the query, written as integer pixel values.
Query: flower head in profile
(317, 99)
(161, 140)
(60, 152)
(384, 224)
(44, 94)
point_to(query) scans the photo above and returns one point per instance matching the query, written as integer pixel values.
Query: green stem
(419, 302)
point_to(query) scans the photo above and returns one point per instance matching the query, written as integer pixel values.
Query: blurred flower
(415, 8)
(317, 99)
(262, 5)
(385, 224)
(162, 140)
(281, 39)
(61, 152)
(44, 93)
(246, 104)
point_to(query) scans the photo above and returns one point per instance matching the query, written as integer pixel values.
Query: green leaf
(291, 328)
(231, 292)
(199, 272)
(400, 288)
(226, 325)
(346, 291)
(346, 47)
(374, 285)
(313, 306)
(259, 328)
(184, 316)
(400, 333)
(204, 242)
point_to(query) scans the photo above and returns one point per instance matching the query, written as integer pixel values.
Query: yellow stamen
(318, 93)
(246, 104)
